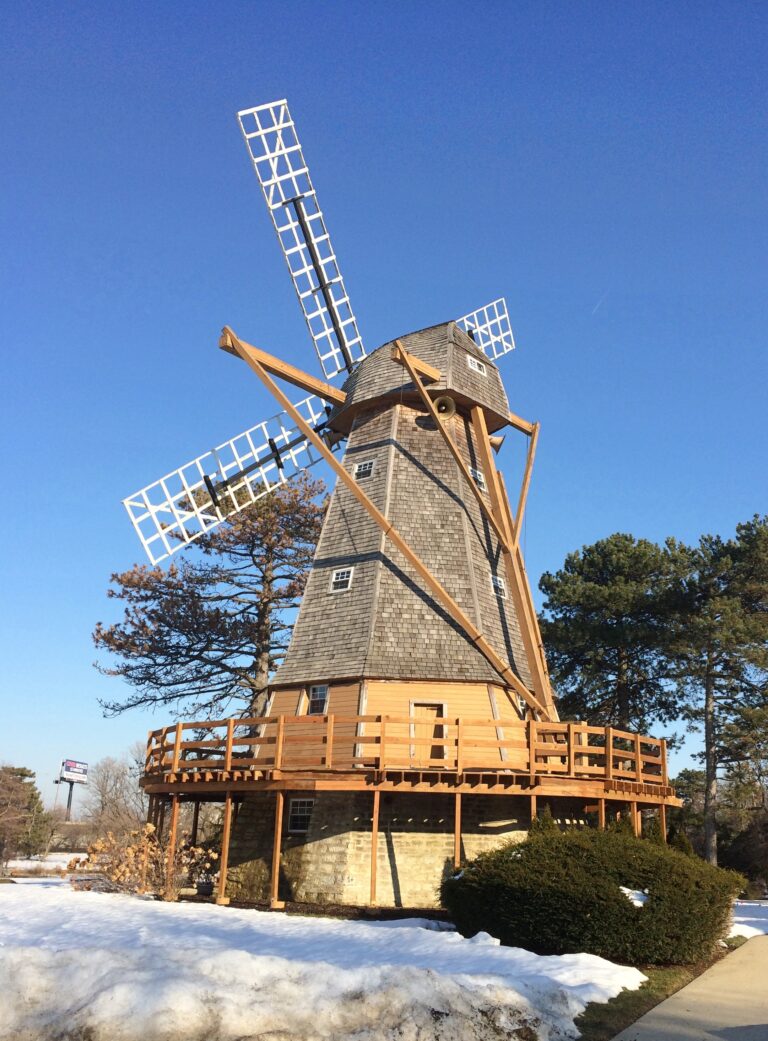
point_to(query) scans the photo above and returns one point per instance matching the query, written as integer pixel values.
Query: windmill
(416, 652)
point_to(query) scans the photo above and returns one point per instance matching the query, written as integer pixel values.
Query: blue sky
(600, 165)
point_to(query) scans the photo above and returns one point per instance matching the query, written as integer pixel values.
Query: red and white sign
(72, 770)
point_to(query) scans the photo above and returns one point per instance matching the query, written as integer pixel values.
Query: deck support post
(174, 826)
(150, 809)
(534, 808)
(274, 903)
(457, 832)
(663, 821)
(195, 822)
(636, 820)
(374, 845)
(221, 895)
(161, 819)
(601, 814)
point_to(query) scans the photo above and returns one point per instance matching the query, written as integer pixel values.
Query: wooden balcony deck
(334, 752)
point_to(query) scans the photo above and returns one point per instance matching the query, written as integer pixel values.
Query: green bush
(559, 893)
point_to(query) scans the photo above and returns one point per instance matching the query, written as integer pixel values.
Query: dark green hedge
(558, 893)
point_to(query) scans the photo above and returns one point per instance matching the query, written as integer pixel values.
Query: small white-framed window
(318, 699)
(300, 815)
(476, 365)
(341, 580)
(364, 470)
(479, 479)
(499, 586)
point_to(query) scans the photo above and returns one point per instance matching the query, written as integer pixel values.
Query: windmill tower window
(341, 580)
(318, 700)
(479, 479)
(364, 470)
(300, 815)
(499, 586)
(476, 365)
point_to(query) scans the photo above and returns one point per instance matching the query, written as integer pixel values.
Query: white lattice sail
(279, 163)
(490, 328)
(186, 503)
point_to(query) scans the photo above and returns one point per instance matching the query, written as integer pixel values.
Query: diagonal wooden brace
(435, 587)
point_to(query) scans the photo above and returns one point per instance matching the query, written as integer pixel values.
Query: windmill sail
(185, 504)
(279, 163)
(490, 329)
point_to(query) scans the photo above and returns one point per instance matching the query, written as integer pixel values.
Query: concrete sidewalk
(728, 1002)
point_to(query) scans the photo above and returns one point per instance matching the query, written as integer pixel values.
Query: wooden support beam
(394, 536)
(512, 557)
(663, 821)
(374, 845)
(442, 426)
(601, 814)
(526, 482)
(161, 819)
(172, 833)
(274, 884)
(457, 831)
(636, 819)
(287, 372)
(429, 372)
(530, 611)
(226, 834)
(195, 822)
(520, 424)
(534, 808)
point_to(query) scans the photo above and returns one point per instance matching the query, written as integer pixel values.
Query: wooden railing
(380, 743)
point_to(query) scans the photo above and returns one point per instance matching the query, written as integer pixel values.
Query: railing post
(329, 745)
(532, 736)
(176, 749)
(459, 747)
(571, 738)
(664, 777)
(150, 753)
(638, 759)
(279, 737)
(608, 753)
(228, 746)
(382, 738)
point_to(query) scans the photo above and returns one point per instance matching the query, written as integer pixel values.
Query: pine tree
(205, 634)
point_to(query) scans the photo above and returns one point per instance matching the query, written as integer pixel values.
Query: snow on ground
(117, 968)
(750, 918)
(51, 862)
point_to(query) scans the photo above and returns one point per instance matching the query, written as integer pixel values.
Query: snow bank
(117, 968)
(750, 918)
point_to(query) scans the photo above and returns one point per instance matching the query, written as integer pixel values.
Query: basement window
(479, 479)
(341, 580)
(476, 365)
(299, 815)
(363, 470)
(499, 586)
(318, 700)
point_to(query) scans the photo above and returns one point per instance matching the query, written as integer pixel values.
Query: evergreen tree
(24, 824)
(605, 626)
(719, 646)
(205, 633)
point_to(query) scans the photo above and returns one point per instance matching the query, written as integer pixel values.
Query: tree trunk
(710, 761)
(622, 693)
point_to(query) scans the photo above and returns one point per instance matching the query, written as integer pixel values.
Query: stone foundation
(331, 863)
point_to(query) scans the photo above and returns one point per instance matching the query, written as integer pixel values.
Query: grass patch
(601, 1021)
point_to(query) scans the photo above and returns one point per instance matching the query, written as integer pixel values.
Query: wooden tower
(412, 722)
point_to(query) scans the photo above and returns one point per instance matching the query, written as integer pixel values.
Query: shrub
(559, 893)
(139, 863)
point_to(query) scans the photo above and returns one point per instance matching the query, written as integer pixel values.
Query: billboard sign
(72, 770)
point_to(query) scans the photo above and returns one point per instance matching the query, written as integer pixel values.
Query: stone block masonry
(331, 863)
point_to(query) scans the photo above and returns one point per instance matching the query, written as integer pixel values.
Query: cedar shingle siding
(386, 626)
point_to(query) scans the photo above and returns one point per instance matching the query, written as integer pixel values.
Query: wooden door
(427, 726)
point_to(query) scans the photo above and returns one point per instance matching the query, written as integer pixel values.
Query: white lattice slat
(174, 511)
(279, 163)
(490, 328)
